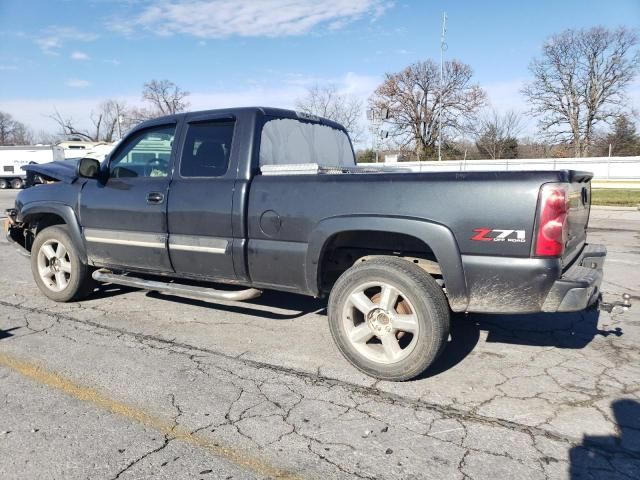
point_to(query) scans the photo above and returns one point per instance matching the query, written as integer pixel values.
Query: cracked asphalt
(130, 384)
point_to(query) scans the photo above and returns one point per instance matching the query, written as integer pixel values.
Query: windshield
(286, 141)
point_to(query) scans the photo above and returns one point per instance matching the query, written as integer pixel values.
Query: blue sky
(70, 55)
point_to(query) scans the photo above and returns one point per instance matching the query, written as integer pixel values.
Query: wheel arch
(42, 215)
(436, 238)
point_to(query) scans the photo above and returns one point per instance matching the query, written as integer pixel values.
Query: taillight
(552, 221)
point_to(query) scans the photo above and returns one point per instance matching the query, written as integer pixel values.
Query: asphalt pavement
(130, 384)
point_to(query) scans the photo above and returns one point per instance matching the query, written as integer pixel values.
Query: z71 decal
(498, 235)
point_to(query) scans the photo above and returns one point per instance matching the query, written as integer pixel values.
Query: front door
(200, 202)
(124, 220)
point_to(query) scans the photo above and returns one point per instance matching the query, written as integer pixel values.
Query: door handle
(155, 198)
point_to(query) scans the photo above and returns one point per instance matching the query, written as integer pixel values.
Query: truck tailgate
(578, 215)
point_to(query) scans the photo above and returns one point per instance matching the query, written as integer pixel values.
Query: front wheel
(17, 183)
(57, 267)
(389, 318)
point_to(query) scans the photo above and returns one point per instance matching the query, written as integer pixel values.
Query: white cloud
(293, 87)
(112, 61)
(361, 86)
(77, 83)
(35, 113)
(506, 95)
(249, 18)
(7, 67)
(79, 56)
(55, 37)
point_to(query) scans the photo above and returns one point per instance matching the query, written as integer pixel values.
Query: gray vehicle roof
(256, 111)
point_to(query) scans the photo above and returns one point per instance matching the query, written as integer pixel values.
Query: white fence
(612, 172)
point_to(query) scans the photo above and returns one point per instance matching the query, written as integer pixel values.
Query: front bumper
(529, 285)
(15, 233)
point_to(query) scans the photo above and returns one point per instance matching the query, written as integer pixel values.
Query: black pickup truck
(264, 198)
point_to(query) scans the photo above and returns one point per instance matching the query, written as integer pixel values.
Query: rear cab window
(288, 141)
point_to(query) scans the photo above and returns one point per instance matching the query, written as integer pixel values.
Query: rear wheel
(4, 184)
(17, 183)
(57, 268)
(389, 318)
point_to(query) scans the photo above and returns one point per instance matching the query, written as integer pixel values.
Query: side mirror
(88, 168)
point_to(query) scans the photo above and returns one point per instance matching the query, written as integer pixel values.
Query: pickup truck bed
(442, 210)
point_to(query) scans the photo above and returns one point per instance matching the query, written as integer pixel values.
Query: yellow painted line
(98, 399)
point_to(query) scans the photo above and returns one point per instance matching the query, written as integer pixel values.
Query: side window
(147, 154)
(206, 149)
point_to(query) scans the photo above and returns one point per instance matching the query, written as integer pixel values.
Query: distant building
(394, 157)
(76, 148)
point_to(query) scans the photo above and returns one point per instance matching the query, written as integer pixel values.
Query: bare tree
(580, 81)
(6, 128)
(104, 119)
(496, 134)
(45, 138)
(68, 127)
(164, 98)
(328, 102)
(13, 132)
(112, 118)
(22, 135)
(533, 147)
(415, 99)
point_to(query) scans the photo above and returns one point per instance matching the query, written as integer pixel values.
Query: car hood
(63, 170)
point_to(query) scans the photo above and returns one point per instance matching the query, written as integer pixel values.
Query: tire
(68, 278)
(4, 184)
(17, 183)
(397, 338)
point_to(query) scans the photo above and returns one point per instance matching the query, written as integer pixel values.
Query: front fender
(33, 210)
(438, 237)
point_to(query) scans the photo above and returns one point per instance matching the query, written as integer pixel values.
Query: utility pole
(374, 125)
(376, 117)
(443, 47)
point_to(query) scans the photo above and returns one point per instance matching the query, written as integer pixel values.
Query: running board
(107, 276)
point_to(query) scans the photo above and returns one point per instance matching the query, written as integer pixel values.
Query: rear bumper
(528, 285)
(579, 286)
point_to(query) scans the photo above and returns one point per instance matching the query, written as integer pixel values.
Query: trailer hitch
(616, 307)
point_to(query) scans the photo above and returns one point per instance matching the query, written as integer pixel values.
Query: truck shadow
(293, 306)
(614, 456)
(561, 330)
(107, 290)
